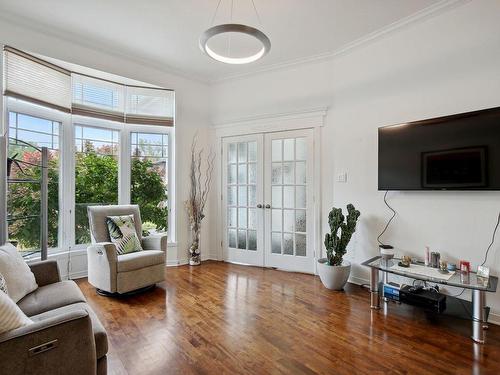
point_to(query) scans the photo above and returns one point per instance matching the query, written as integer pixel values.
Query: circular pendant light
(234, 28)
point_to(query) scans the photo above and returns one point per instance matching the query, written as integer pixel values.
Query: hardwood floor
(221, 318)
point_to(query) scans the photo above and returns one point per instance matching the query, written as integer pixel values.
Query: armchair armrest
(102, 264)
(57, 344)
(155, 242)
(46, 272)
(104, 250)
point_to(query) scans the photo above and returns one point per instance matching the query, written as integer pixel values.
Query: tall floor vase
(194, 249)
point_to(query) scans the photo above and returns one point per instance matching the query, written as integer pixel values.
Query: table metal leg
(374, 296)
(478, 315)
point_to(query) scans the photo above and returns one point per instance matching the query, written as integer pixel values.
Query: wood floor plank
(221, 318)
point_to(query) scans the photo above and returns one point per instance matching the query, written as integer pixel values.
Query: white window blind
(96, 97)
(152, 106)
(30, 78)
(33, 79)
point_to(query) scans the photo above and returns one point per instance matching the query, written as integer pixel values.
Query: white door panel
(267, 200)
(242, 192)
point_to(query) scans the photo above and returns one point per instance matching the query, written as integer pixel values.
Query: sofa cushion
(141, 259)
(100, 336)
(3, 285)
(18, 276)
(50, 297)
(11, 316)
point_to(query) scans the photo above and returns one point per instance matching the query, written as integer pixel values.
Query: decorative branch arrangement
(195, 205)
(336, 246)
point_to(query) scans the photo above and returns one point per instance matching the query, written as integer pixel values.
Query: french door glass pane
(242, 195)
(288, 196)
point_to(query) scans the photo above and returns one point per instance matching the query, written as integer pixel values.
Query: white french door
(267, 200)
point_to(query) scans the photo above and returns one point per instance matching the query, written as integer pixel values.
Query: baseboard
(177, 262)
(494, 317)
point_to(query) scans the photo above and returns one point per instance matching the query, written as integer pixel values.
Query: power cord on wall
(390, 220)
(492, 240)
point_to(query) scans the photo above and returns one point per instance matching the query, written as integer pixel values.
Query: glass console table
(478, 285)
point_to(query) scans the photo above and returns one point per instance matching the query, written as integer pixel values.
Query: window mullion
(124, 167)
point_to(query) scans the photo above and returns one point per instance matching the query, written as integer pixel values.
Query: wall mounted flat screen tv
(457, 152)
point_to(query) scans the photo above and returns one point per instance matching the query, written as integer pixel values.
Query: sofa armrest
(155, 242)
(58, 344)
(46, 272)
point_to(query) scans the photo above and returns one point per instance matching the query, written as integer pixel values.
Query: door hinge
(221, 244)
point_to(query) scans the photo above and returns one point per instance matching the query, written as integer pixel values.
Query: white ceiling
(166, 32)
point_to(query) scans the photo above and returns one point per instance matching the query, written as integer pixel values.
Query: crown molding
(420, 16)
(63, 35)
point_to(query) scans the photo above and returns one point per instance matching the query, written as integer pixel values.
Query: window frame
(66, 234)
(33, 110)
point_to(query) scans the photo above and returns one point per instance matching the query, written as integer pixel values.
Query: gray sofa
(112, 273)
(66, 337)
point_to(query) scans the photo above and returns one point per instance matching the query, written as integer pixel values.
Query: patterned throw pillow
(122, 233)
(11, 316)
(3, 284)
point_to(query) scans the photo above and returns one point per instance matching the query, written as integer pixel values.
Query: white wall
(192, 114)
(446, 64)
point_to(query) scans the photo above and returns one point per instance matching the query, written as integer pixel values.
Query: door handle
(268, 206)
(259, 206)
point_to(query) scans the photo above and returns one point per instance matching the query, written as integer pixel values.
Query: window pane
(276, 154)
(96, 175)
(300, 245)
(23, 199)
(288, 149)
(276, 243)
(288, 243)
(242, 239)
(252, 240)
(242, 152)
(242, 196)
(149, 179)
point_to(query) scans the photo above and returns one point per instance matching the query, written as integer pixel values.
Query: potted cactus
(333, 270)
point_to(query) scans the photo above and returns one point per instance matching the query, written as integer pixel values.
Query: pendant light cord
(256, 13)
(215, 13)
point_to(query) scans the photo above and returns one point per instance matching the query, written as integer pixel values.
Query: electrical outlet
(342, 177)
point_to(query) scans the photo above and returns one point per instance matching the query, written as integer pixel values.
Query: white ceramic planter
(333, 277)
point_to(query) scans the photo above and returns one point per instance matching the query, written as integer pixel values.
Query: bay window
(149, 178)
(23, 198)
(96, 173)
(108, 143)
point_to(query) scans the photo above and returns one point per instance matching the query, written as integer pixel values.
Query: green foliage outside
(96, 182)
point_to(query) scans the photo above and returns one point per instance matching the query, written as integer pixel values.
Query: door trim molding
(307, 119)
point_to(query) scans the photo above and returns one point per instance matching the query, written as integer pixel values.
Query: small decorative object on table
(483, 271)
(435, 256)
(386, 251)
(464, 266)
(195, 205)
(405, 261)
(443, 266)
(452, 267)
(333, 270)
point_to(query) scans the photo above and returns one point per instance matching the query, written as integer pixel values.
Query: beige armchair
(112, 273)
